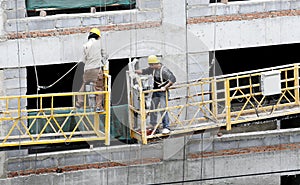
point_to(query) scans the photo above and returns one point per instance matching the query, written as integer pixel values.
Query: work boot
(99, 110)
(165, 131)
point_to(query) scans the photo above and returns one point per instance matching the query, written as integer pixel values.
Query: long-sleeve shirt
(92, 57)
(161, 76)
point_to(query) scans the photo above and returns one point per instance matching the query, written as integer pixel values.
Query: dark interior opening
(246, 59)
(290, 180)
(290, 122)
(47, 75)
(238, 60)
(117, 70)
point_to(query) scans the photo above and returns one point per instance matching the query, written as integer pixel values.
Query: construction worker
(94, 61)
(163, 79)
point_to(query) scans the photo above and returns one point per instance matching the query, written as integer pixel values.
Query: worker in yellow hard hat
(93, 60)
(95, 31)
(163, 79)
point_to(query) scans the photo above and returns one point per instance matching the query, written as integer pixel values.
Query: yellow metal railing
(215, 102)
(48, 123)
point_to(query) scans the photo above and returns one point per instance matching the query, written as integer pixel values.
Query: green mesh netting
(69, 4)
(119, 126)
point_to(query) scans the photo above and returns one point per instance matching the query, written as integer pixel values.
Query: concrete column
(2, 20)
(3, 164)
(2, 131)
(2, 105)
(174, 12)
(174, 27)
(13, 82)
(174, 36)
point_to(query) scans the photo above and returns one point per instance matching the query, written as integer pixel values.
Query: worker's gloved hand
(104, 55)
(163, 88)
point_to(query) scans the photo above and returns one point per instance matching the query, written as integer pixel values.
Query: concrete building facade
(185, 34)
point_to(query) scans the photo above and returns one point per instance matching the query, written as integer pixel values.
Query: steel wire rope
(105, 10)
(36, 72)
(122, 92)
(105, 43)
(36, 77)
(55, 82)
(214, 77)
(34, 64)
(130, 56)
(20, 81)
(130, 46)
(187, 89)
(280, 31)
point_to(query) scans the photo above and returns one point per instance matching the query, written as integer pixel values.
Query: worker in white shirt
(93, 60)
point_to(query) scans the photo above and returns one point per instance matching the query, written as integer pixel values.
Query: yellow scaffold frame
(17, 122)
(219, 101)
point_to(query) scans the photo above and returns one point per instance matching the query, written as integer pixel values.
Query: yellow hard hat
(96, 31)
(152, 59)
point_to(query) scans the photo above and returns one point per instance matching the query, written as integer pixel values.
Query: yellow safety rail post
(296, 83)
(143, 116)
(133, 108)
(228, 104)
(107, 88)
(214, 97)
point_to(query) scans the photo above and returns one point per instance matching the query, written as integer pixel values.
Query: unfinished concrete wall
(244, 24)
(184, 37)
(248, 33)
(149, 21)
(200, 8)
(244, 159)
(2, 21)
(120, 32)
(13, 83)
(14, 9)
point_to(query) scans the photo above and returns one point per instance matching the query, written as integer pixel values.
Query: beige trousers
(95, 76)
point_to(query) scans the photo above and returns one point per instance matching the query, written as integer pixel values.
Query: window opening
(46, 75)
(246, 59)
(53, 7)
(117, 70)
(291, 122)
(290, 179)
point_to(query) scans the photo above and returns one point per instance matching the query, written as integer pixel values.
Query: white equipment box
(270, 83)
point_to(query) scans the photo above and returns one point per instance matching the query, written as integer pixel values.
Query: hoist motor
(146, 82)
(270, 83)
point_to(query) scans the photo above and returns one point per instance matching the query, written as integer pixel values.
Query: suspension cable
(46, 87)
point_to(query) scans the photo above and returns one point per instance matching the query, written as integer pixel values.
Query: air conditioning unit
(270, 83)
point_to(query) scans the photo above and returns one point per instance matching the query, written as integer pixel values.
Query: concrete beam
(248, 33)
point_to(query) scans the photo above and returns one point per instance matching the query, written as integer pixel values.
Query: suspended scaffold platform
(219, 101)
(48, 124)
(207, 103)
